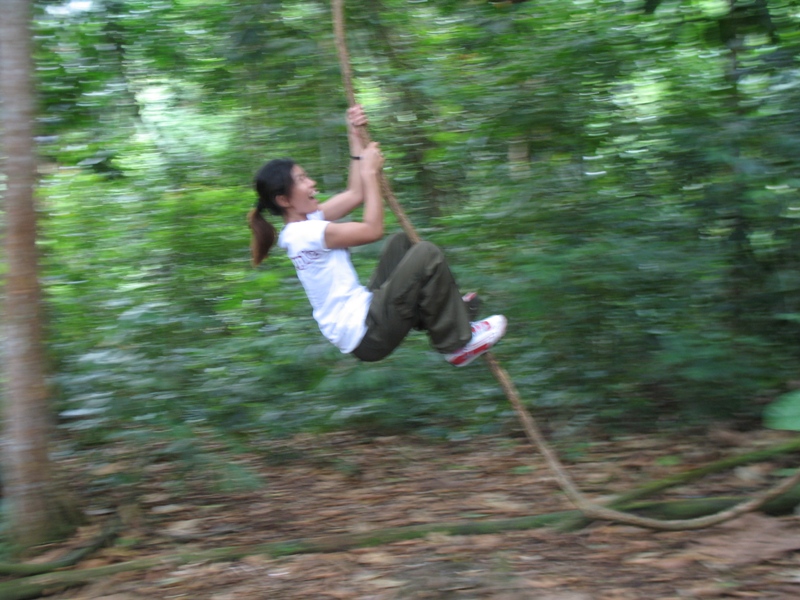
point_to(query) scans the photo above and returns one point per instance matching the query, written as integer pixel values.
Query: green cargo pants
(413, 288)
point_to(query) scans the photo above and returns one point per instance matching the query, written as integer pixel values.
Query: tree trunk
(27, 477)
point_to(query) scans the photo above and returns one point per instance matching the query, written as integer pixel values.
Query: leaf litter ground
(319, 485)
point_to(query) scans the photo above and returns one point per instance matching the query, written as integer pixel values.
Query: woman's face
(303, 198)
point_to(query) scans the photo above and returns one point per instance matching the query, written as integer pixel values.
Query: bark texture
(26, 476)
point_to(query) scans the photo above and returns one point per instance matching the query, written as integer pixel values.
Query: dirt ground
(319, 485)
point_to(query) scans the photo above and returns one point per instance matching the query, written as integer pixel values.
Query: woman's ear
(282, 201)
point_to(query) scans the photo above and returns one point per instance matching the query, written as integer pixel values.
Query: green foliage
(784, 413)
(621, 185)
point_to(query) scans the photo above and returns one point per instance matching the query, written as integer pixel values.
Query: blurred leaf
(784, 413)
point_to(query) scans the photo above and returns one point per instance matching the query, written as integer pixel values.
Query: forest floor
(339, 483)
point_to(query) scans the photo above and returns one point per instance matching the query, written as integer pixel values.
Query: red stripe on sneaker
(471, 355)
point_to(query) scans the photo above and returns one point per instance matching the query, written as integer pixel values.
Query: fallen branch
(724, 464)
(693, 507)
(624, 501)
(36, 586)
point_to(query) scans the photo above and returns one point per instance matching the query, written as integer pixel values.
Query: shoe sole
(468, 357)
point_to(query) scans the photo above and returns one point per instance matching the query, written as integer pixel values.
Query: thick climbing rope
(589, 509)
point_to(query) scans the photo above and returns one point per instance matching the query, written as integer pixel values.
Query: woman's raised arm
(370, 229)
(342, 204)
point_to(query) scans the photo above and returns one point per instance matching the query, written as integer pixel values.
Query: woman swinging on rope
(412, 287)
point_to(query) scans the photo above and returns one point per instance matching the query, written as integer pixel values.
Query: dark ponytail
(264, 235)
(272, 180)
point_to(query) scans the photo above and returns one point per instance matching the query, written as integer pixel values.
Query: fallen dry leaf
(375, 558)
(166, 509)
(184, 530)
(386, 583)
(109, 469)
(501, 502)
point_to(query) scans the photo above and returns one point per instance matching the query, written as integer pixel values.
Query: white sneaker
(485, 334)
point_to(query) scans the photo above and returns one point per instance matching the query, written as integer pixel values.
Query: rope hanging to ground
(588, 508)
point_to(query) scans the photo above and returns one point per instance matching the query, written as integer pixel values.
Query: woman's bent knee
(397, 239)
(430, 251)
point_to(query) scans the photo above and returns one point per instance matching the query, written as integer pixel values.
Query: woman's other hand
(371, 158)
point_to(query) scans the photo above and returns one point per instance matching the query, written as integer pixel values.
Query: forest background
(619, 178)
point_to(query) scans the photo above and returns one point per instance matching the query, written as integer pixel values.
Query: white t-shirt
(339, 302)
